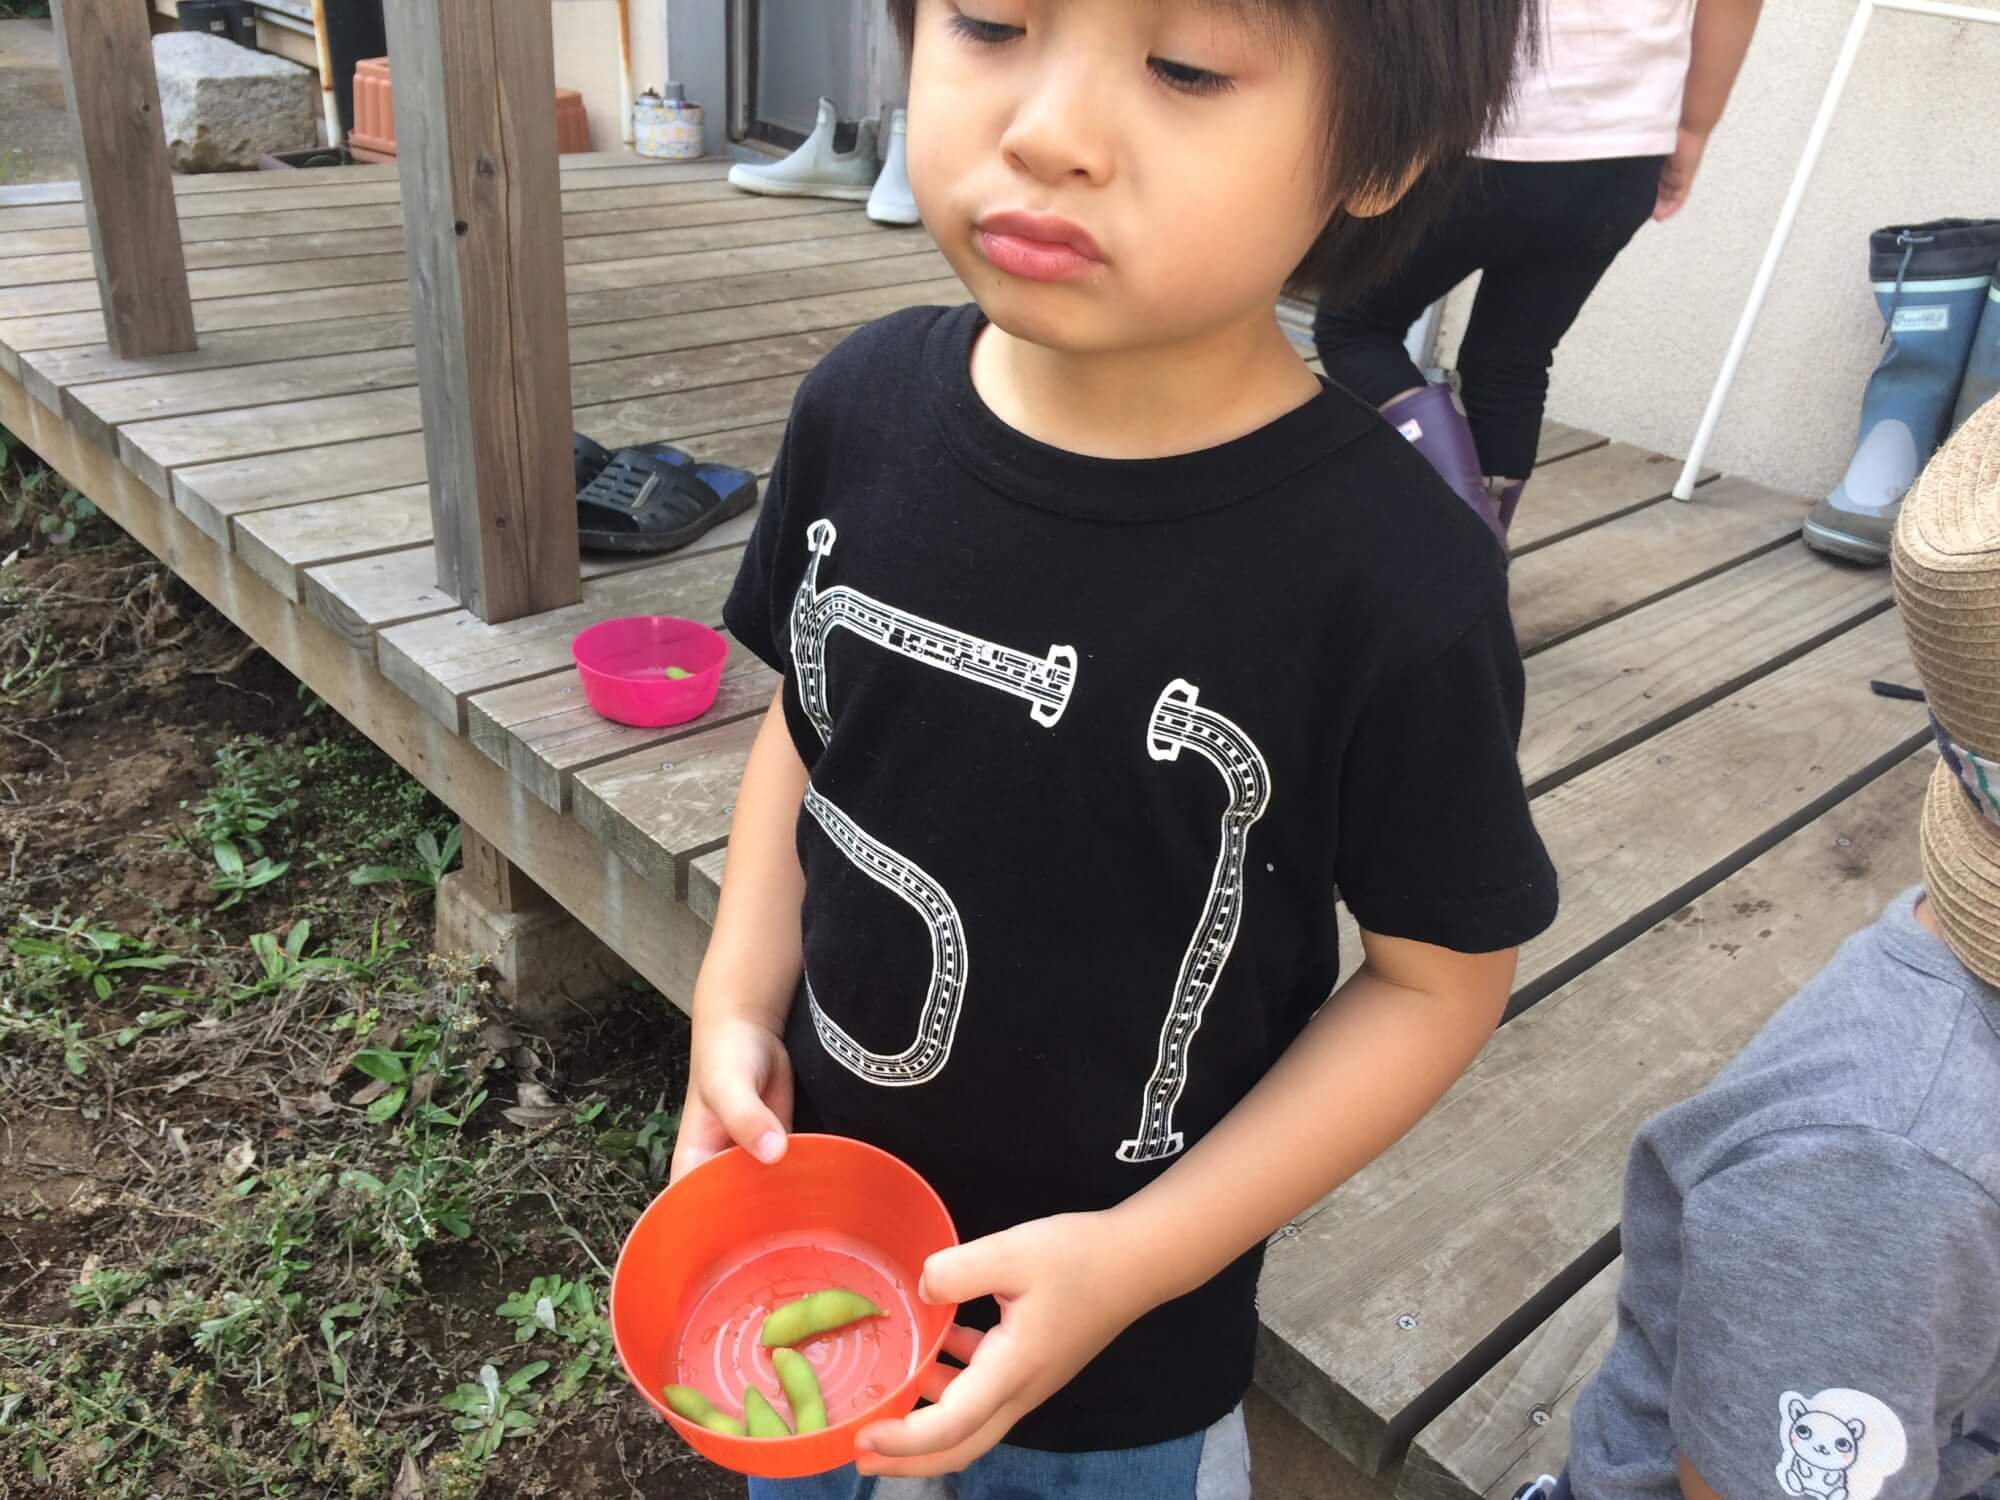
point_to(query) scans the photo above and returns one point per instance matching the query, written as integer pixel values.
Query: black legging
(1544, 233)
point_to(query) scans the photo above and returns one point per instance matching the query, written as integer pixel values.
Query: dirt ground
(33, 122)
(286, 1206)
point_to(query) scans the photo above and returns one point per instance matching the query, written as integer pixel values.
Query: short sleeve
(757, 609)
(1435, 841)
(1836, 1311)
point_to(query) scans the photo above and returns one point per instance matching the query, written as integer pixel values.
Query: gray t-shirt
(1810, 1303)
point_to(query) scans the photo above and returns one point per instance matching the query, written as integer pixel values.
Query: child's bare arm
(1379, 1054)
(739, 1083)
(1368, 1066)
(1722, 32)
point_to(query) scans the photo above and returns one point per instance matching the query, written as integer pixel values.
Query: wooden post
(474, 90)
(106, 49)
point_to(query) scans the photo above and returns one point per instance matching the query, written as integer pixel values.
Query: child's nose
(1060, 132)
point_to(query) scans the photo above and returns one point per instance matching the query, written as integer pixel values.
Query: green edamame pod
(761, 1417)
(693, 1405)
(809, 1317)
(801, 1390)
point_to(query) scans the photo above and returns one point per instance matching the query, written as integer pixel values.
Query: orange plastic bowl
(734, 1239)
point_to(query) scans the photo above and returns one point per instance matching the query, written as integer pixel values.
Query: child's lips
(1038, 247)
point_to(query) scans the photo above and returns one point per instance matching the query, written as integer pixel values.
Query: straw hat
(1947, 566)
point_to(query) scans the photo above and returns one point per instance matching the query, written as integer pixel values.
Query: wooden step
(1477, 1223)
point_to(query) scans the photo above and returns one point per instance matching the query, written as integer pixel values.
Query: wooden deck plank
(283, 543)
(578, 196)
(1598, 692)
(441, 661)
(22, 335)
(361, 597)
(225, 231)
(1514, 1426)
(97, 407)
(1595, 575)
(545, 732)
(283, 261)
(1589, 487)
(1559, 440)
(358, 597)
(705, 883)
(702, 388)
(48, 372)
(1489, 1212)
(211, 494)
(49, 298)
(44, 304)
(278, 545)
(662, 808)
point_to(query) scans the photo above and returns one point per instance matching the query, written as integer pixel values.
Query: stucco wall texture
(1914, 139)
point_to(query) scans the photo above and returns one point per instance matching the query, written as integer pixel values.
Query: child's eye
(1189, 80)
(984, 33)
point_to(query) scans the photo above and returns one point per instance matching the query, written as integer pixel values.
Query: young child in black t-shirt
(1113, 644)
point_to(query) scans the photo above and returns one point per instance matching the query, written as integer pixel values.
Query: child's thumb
(750, 1122)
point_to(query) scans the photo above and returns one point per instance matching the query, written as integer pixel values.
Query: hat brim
(1961, 853)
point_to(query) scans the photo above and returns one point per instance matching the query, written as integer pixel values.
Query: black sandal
(644, 501)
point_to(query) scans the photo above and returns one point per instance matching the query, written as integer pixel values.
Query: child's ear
(1373, 202)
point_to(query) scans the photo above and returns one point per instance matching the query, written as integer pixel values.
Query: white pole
(1760, 288)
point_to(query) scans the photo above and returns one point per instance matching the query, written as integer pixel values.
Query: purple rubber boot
(1431, 420)
(1508, 501)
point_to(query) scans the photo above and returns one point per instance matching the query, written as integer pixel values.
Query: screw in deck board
(1539, 1416)
(1407, 1322)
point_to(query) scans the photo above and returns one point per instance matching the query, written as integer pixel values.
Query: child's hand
(1066, 1289)
(739, 1093)
(1677, 173)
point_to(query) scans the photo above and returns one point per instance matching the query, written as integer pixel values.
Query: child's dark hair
(1411, 85)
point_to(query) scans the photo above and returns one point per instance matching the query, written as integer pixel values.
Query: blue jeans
(1210, 1465)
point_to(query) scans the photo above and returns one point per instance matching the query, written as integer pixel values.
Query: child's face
(1107, 174)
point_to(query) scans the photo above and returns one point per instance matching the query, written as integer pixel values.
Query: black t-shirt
(1092, 743)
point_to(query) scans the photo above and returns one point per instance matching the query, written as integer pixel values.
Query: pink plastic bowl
(623, 666)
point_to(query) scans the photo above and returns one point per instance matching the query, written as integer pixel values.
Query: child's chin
(1057, 315)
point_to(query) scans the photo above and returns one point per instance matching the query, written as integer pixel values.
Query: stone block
(224, 106)
(551, 968)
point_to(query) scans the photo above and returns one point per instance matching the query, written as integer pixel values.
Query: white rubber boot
(816, 169)
(892, 202)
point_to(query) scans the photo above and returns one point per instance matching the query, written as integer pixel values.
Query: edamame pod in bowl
(801, 1390)
(811, 1316)
(696, 1407)
(761, 1418)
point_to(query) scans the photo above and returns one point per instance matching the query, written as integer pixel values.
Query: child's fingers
(935, 1381)
(750, 1122)
(961, 1343)
(979, 1268)
(965, 1406)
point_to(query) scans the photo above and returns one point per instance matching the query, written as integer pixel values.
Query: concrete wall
(586, 36)
(1913, 140)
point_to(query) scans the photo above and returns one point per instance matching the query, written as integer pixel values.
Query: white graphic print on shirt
(1839, 1445)
(1178, 722)
(1046, 684)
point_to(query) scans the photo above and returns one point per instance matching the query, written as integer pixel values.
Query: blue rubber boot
(1431, 419)
(1982, 371)
(1931, 283)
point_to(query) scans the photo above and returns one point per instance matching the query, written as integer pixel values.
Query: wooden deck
(1722, 792)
